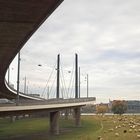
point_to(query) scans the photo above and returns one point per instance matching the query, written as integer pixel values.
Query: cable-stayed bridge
(18, 21)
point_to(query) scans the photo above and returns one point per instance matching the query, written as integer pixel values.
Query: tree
(101, 109)
(119, 107)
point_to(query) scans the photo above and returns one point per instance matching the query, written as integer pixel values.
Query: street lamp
(18, 79)
(79, 83)
(25, 89)
(87, 85)
(9, 76)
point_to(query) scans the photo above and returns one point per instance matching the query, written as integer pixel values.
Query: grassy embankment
(108, 127)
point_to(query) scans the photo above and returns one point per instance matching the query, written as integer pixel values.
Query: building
(133, 106)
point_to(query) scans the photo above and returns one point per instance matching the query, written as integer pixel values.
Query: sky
(106, 36)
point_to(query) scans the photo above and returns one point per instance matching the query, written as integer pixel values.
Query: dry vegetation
(98, 127)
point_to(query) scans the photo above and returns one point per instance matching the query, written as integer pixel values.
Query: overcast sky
(106, 36)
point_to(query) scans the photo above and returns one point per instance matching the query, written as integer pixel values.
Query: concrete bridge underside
(19, 19)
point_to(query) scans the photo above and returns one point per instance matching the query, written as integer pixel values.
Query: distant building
(133, 106)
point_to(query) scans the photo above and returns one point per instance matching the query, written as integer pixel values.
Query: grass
(92, 127)
(22, 127)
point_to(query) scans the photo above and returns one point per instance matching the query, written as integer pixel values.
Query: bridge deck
(15, 110)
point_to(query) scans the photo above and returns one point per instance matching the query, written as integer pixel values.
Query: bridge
(18, 21)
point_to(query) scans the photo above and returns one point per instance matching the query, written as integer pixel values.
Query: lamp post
(79, 83)
(87, 85)
(25, 85)
(18, 79)
(48, 92)
(9, 76)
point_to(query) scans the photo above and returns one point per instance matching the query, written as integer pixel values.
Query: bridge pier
(54, 122)
(66, 114)
(13, 118)
(77, 115)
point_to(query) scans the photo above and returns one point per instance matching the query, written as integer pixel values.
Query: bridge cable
(71, 79)
(48, 80)
(72, 88)
(64, 83)
(51, 89)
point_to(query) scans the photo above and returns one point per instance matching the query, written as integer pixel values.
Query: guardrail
(56, 101)
(23, 102)
(14, 91)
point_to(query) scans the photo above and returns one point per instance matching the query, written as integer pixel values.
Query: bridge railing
(14, 91)
(56, 101)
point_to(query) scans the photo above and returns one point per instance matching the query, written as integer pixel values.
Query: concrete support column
(54, 122)
(77, 116)
(66, 114)
(13, 118)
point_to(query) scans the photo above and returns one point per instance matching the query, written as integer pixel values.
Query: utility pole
(76, 76)
(58, 77)
(25, 85)
(18, 79)
(79, 82)
(27, 90)
(9, 76)
(48, 93)
(87, 85)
